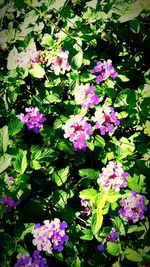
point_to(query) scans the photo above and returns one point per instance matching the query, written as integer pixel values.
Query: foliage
(51, 176)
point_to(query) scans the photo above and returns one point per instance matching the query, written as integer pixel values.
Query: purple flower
(104, 70)
(86, 97)
(101, 247)
(50, 236)
(8, 202)
(113, 176)
(78, 130)
(33, 119)
(87, 211)
(133, 207)
(106, 119)
(25, 260)
(11, 180)
(112, 236)
(59, 62)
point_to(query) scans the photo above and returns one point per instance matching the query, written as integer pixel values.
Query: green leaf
(119, 225)
(35, 165)
(20, 163)
(99, 141)
(29, 227)
(47, 40)
(14, 126)
(5, 161)
(133, 255)
(4, 138)
(113, 248)
(52, 98)
(66, 147)
(86, 234)
(11, 61)
(135, 25)
(132, 12)
(113, 196)
(89, 173)
(37, 71)
(92, 4)
(88, 194)
(101, 199)
(57, 4)
(96, 221)
(60, 176)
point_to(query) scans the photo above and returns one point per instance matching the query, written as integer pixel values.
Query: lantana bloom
(104, 70)
(36, 260)
(86, 97)
(105, 119)
(87, 211)
(78, 130)
(133, 207)
(111, 237)
(33, 119)
(8, 202)
(113, 176)
(59, 62)
(50, 236)
(11, 180)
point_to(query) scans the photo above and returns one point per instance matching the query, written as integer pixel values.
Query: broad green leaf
(88, 194)
(66, 147)
(101, 199)
(99, 141)
(147, 128)
(4, 138)
(57, 4)
(89, 173)
(96, 221)
(113, 196)
(113, 248)
(11, 61)
(37, 71)
(14, 126)
(20, 163)
(52, 98)
(35, 165)
(29, 227)
(92, 4)
(60, 176)
(119, 225)
(86, 234)
(145, 90)
(5, 162)
(132, 12)
(133, 255)
(123, 78)
(135, 25)
(47, 40)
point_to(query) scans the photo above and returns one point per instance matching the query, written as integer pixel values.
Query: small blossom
(8, 202)
(11, 180)
(104, 70)
(25, 260)
(113, 176)
(87, 211)
(59, 62)
(78, 130)
(101, 247)
(50, 236)
(106, 119)
(86, 97)
(33, 119)
(133, 207)
(112, 236)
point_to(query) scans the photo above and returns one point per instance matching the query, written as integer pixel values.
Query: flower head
(86, 97)
(113, 176)
(104, 70)
(33, 119)
(106, 119)
(25, 260)
(112, 236)
(133, 207)
(78, 130)
(50, 236)
(59, 62)
(101, 247)
(8, 202)
(11, 180)
(87, 211)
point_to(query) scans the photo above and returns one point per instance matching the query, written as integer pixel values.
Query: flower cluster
(26, 59)
(50, 236)
(28, 261)
(86, 97)
(104, 70)
(133, 207)
(11, 180)
(87, 211)
(106, 119)
(78, 130)
(59, 63)
(33, 119)
(8, 202)
(113, 176)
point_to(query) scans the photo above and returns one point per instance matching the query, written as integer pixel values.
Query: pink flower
(59, 63)
(77, 130)
(104, 70)
(86, 97)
